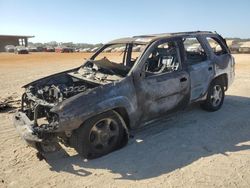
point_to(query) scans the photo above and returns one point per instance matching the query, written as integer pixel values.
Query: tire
(99, 135)
(215, 97)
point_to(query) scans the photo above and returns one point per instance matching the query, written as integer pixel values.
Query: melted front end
(37, 121)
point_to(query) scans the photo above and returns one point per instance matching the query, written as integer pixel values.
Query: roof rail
(177, 33)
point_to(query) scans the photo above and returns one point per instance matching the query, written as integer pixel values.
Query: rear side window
(216, 46)
(194, 51)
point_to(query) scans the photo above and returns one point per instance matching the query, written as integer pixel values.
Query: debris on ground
(9, 103)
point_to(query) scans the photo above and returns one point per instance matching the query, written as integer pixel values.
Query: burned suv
(127, 82)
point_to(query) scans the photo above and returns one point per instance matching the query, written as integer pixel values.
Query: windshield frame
(126, 53)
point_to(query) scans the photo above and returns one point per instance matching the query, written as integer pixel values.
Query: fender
(75, 110)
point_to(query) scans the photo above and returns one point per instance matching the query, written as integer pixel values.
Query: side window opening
(194, 51)
(216, 46)
(164, 58)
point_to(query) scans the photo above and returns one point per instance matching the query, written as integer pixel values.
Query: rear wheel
(215, 97)
(99, 135)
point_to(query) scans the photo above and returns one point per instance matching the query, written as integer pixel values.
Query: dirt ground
(193, 148)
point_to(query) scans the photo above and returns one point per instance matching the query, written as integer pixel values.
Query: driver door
(164, 86)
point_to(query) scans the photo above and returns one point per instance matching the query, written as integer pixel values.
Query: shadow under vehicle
(94, 107)
(171, 144)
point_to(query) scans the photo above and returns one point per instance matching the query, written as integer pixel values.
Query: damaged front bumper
(25, 128)
(36, 136)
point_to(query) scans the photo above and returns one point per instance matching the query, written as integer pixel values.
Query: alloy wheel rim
(104, 134)
(216, 95)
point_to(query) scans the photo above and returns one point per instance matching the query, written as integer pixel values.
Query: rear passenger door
(219, 52)
(199, 65)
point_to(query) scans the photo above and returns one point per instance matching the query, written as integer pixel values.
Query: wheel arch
(223, 78)
(124, 115)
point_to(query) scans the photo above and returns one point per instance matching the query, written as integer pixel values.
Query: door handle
(210, 68)
(183, 79)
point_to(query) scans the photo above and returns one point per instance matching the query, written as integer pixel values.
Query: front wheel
(215, 97)
(99, 135)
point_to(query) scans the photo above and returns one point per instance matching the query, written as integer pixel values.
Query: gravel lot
(193, 148)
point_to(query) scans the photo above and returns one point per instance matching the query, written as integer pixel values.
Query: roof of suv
(144, 39)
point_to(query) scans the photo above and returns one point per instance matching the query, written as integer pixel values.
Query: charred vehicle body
(93, 107)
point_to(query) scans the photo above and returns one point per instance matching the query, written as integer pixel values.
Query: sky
(98, 21)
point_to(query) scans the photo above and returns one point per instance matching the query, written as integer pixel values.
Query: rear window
(216, 46)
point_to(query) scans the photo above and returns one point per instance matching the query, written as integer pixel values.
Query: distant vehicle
(235, 48)
(193, 48)
(77, 50)
(64, 49)
(137, 48)
(41, 49)
(50, 49)
(85, 50)
(118, 49)
(244, 49)
(115, 49)
(21, 50)
(10, 48)
(94, 49)
(121, 49)
(32, 49)
(107, 50)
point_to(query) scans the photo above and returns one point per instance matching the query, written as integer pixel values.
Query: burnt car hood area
(51, 105)
(44, 97)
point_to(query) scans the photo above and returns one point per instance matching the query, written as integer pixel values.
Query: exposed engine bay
(43, 97)
(39, 98)
(56, 93)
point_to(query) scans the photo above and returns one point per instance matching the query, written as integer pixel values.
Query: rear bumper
(25, 128)
(231, 72)
(231, 76)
